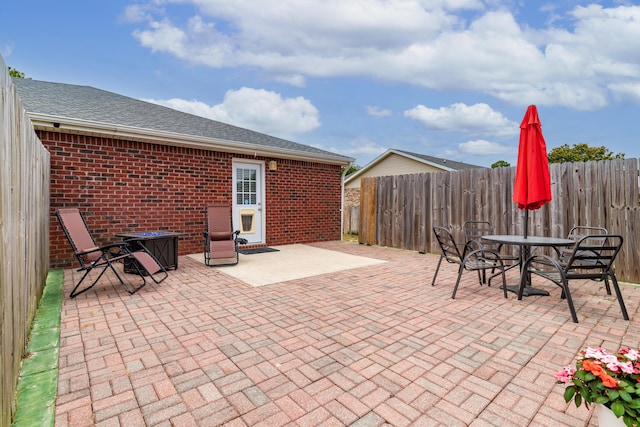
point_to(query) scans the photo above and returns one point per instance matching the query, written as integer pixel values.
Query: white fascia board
(368, 166)
(87, 127)
(424, 161)
(389, 152)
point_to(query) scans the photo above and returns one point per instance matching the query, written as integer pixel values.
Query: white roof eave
(88, 127)
(388, 153)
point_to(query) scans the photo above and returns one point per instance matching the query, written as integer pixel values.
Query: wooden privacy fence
(24, 227)
(400, 211)
(351, 219)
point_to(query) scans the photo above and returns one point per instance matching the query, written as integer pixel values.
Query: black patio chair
(101, 258)
(576, 233)
(597, 237)
(590, 258)
(473, 232)
(479, 259)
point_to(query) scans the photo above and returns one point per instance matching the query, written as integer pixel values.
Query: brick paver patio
(366, 347)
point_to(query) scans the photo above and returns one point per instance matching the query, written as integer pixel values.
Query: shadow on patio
(371, 346)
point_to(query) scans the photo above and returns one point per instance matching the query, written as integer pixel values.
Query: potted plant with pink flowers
(611, 380)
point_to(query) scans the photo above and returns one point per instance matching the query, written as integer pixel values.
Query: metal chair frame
(220, 238)
(590, 258)
(469, 259)
(473, 232)
(91, 257)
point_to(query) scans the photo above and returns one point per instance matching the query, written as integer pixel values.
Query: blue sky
(446, 78)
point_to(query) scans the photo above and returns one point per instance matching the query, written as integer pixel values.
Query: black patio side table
(162, 244)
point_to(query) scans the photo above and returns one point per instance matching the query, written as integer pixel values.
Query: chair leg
(504, 283)
(455, 288)
(606, 285)
(619, 296)
(86, 273)
(567, 293)
(127, 287)
(433, 281)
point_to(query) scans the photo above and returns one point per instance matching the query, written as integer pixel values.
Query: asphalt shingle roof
(443, 162)
(96, 105)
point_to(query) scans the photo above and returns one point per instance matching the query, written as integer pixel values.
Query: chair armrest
(556, 265)
(482, 254)
(474, 244)
(104, 248)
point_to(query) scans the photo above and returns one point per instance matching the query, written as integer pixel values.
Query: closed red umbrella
(532, 186)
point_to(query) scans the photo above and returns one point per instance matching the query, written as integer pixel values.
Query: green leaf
(585, 376)
(617, 408)
(568, 394)
(578, 400)
(626, 396)
(635, 404)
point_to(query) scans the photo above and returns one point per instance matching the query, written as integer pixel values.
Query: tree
(352, 169)
(16, 74)
(501, 164)
(581, 153)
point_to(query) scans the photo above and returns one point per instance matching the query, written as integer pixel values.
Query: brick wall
(128, 186)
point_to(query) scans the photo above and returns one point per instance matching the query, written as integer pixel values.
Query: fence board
(24, 227)
(351, 219)
(368, 211)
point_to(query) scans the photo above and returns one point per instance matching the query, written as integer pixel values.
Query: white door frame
(261, 238)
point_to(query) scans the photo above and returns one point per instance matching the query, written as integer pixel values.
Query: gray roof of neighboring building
(450, 164)
(90, 106)
(444, 164)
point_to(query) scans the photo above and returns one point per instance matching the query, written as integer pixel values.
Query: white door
(247, 200)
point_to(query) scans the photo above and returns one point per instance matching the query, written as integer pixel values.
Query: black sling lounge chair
(100, 258)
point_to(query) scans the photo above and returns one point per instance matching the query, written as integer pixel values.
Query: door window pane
(246, 186)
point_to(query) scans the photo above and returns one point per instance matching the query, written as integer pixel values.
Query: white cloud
(477, 119)
(362, 148)
(438, 44)
(296, 80)
(135, 13)
(377, 111)
(481, 147)
(255, 109)
(626, 91)
(7, 49)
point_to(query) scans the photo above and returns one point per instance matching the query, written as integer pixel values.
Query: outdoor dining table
(525, 244)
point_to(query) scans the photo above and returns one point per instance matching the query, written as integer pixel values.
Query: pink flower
(630, 353)
(565, 374)
(627, 368)
(609, 359)
(595, 353)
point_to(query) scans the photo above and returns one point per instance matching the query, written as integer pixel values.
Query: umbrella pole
(526, 222)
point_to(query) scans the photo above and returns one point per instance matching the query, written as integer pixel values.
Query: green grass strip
(38, 381)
